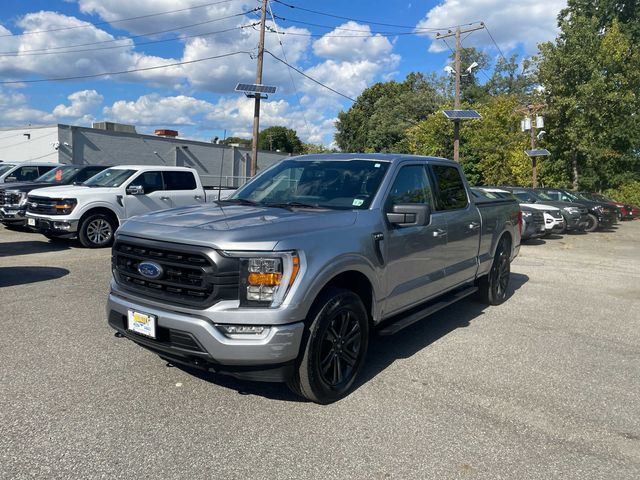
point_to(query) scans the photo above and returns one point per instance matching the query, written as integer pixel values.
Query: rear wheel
(493, 286)
(97, 231)
(592, 223)
(336, 347)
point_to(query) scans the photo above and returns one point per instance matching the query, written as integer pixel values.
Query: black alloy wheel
(592, 223)
(97, 231)
(494, 286)
(335, 348)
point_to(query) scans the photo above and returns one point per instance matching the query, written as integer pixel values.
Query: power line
(284, 55)
(494, 42)
(326, 14)
(371, 35)
(151, 42)
(22, 52)
(310, 78)
(123, 72)
(95, 24)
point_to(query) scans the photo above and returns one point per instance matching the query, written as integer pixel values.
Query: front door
(182, 189)
(413, 255)
(154, 197)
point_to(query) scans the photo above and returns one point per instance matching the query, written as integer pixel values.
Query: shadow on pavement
(10, 276)
(10, 249)
(383, 351)
(534, 241)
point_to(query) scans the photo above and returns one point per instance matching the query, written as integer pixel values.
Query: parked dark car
(13, 196)
(575, 214)
(601, 214)
(627, 211)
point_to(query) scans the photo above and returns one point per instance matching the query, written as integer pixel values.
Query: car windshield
(527, 197)
(59, 175)
(111, 177)
(334, 184)
(572, 196)
(4, 168)
(542, 196)
(585, 196)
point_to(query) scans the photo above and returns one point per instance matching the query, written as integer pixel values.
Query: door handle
(164, 198)
(198, 197)
(473, 226)
(439, 233)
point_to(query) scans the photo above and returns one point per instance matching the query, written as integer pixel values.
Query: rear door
(463, 224)
(181, 188)
(414, 267)
(154, 197)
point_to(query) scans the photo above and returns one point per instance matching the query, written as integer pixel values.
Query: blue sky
(197, 98)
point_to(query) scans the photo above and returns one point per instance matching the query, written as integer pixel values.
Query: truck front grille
(42, 205)
(538, 218)
(189, 275)
(9, 198)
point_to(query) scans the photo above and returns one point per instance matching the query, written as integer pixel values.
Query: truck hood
(24, 186)
(73, 191)
(539, 206)
(235, 227)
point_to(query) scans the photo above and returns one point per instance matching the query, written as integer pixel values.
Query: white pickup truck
(94, 210)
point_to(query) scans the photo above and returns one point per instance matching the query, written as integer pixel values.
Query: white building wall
(29, 143)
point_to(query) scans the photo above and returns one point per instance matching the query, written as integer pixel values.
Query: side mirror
(135, 190)
(409, 215)
(10, 179)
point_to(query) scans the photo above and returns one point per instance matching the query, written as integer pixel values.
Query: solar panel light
(254, 89)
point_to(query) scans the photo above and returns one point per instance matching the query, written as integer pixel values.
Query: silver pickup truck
(287, 279)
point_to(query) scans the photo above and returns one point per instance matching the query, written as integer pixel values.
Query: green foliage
(378, 120)
(626, 193)
(243, 142)
(308, 148)
(280, 138)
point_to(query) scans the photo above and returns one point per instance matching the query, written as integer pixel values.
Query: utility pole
(256, 108)
(458, 67)
(532, 113)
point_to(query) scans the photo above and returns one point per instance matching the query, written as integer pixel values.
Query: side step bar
(430, 308)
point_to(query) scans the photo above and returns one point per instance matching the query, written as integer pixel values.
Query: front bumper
(10, 215)
(576, 221)
(194, 340)
(59, 227)
(606, 220)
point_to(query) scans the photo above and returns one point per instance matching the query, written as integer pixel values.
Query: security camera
(449, 69)
(471, 67)
(541, 134)
(55, 145)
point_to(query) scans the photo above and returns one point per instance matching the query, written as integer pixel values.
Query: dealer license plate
(142, 323)
(31, 222)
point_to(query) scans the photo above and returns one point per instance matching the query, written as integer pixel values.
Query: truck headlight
(526, 214)
(65, 206)
(266, 278)
(571, 210)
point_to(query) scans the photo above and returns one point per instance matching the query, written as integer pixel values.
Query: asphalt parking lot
(545, 386)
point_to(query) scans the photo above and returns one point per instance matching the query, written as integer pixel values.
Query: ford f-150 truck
(13, 197)
(94, 210)
(287, 279)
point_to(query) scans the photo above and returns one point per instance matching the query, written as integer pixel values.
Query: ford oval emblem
(150, 270)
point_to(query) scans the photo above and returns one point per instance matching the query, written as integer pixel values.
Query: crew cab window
(26, 174)
(411, 185)
(179, 181)
(450, 191)
(150, 181)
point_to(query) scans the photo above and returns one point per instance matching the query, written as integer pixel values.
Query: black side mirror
(409, 215)
(135, 190)
(10, 179)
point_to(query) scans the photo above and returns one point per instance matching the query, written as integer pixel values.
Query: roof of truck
(383, 157)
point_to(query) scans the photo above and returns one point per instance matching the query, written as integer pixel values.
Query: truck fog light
(62, 225)
(243, 331)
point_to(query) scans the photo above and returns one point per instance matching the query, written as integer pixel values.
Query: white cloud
(82, 103)
(526, 22)
(347, 45)
(156, 110)
(15, 110)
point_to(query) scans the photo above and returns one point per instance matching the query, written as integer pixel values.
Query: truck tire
(96, 231)
(493, 287)
(592, 224)
(335, 349)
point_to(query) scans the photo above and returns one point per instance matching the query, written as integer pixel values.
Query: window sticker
(357, 202)
(377, 165)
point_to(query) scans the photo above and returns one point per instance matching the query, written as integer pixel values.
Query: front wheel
(97, 231)
(592, 223)
(336, 347)
(493, 286)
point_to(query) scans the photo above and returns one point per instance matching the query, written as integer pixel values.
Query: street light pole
(256, 107)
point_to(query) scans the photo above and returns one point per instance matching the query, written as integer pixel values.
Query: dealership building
(108, 143)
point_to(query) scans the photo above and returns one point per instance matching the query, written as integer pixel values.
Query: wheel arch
(97, 210)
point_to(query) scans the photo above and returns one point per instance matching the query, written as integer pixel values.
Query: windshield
(340, 184)
(4, 168)
(572, 196)
(528, 197)
(59, 175)
(111, 177)
(543, 196)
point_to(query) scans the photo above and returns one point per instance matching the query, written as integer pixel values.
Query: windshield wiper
(289, 205)
(239, 201)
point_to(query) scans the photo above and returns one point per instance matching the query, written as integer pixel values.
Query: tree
(279, 138)
(378, 120)
(243, 142)
(591, 76)
(511, 78)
